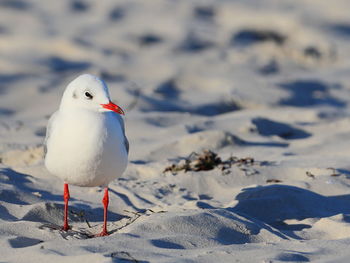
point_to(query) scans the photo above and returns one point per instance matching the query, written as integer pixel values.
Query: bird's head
(90, 93)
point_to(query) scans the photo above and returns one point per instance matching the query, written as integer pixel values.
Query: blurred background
(204, 58)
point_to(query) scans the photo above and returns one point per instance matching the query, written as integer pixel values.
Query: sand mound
(328, 228)
(30, 156)
(276, 203)
(202, 228)
(46, 212)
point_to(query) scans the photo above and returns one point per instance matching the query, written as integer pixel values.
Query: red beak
(113, 107)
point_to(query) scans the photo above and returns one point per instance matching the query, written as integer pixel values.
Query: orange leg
(66, 197)
(105, 202)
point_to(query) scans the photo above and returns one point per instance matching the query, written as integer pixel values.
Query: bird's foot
(102, 234)
(65, 227)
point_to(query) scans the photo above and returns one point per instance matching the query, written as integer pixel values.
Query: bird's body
(85, 140)
(85, 148)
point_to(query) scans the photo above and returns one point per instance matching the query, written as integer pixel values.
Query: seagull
(85, 142)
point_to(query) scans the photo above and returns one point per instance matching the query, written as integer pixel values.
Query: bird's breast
(86, 149)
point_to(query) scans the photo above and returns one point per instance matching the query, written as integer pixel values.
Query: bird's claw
(65, 228)
(102, 234)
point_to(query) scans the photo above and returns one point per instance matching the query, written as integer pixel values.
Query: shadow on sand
(268, 127)
(273, 204)
(306, 93)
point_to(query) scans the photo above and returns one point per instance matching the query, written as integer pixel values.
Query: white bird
(85, 140)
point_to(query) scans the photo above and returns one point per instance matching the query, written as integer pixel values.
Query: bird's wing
(121, 122)
(48, 130)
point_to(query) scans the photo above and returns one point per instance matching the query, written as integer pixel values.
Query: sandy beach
(238, 118)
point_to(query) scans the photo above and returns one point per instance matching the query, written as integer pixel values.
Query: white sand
(263, 79)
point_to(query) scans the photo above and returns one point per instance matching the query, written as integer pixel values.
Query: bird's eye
(88, 95)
